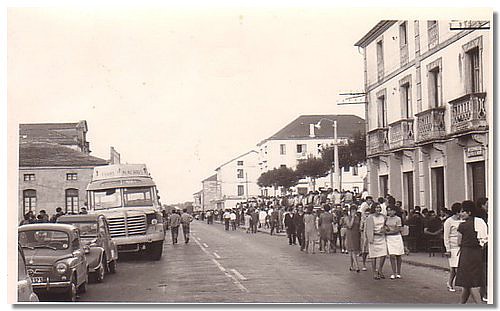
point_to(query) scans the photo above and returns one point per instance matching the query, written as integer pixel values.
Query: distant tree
(279, 177)
(313, 168)
(350, 154)
(264, 180)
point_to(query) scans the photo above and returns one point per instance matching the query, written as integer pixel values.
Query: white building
(300, 139)
(237, 179)
(429, 99)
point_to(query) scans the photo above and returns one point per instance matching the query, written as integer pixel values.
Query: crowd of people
(365, 228)
(43, 217)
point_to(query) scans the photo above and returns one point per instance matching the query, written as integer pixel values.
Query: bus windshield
(108, 198)
(137, 196)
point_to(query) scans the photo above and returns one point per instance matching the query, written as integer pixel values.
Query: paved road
(232, 266)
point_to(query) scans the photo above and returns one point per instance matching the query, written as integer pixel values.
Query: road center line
(216, 255)
(239, 275)
(205, 244)
(221, 268)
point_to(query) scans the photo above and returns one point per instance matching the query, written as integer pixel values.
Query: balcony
(301, 155)
(468, 113)
(430, 124)
(401, 134)
(378, 141)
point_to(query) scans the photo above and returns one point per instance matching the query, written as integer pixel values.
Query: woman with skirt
(377, 246)
(353, 237)
(470, 264)
(364, 240)
(311, 230)
(450, 239)
(394, 240)
(325, 224)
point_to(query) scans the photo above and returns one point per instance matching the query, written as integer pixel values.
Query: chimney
(311, 130)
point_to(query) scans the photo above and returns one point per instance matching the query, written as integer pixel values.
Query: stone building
(53, 175)
(428, 87)
(210, 193)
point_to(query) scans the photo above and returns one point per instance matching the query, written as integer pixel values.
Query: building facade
(301, 139)
(429, 98)
(53, 175)
(210, 194)
(237, 179)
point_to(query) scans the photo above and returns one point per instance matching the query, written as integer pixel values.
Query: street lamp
(335, 153)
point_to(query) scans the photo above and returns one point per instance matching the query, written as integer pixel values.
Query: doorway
(408, 190)
(477, 180)
(437, 183)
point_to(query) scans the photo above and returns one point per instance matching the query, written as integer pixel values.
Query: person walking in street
(325, 224)
(394, 240)
(227, 219)
(290, 227)
(364, 239)
(377, 245)
(300, 227)
(232, 219)
(262, 218)
(482, 212)
(353, 237)
(450, 239)
(470, 263)
(248, 221)
(175, 221)
(186, 220)
(311, 231)
(255, 220)
(274, 220)
(343, 231)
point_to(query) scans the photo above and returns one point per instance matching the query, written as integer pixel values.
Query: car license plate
(37, 279)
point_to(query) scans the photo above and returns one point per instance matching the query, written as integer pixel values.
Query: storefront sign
(120, 170)
(474, 151)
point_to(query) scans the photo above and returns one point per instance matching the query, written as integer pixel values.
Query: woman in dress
(353, 237)
(364, 240)
(377, 246)
(395, 246)
(450, 239)
(343, 231)
(325, 223)
(470, 264)
(311, 231)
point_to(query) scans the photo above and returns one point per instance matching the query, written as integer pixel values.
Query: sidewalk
(421, 259)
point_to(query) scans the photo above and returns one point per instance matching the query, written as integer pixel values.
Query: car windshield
(138, 196)
(56, 240)
(87, 229)
(108, 198)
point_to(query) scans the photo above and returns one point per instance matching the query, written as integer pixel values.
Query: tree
(279, 177)
(313, 168)
(350, 154)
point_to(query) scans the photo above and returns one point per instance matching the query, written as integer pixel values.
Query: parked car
(25, 291)
(94, 232)
(55, 258)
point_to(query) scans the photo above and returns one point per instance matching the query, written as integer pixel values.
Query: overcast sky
(181, 90)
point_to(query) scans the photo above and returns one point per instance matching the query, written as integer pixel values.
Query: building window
(29, 177)
(71, 200)
(435, 87)
(403, 34)
(71, 176)
(29, 200)
(283, 166)
(406, 101)
(346, 169)
(355, 171)
(265, 149)
(240, 163)
(301, 148)
(432, 33)
(474, 72)
(380, 59)
(282, 149)
(241, 190)
(240, 173)
(382, 111)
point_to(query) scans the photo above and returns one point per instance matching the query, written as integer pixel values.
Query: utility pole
(336, 156)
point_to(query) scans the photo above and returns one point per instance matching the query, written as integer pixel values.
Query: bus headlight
(154, 221)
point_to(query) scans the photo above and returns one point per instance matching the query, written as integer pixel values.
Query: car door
(103, 237)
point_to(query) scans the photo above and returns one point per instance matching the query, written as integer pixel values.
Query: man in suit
(298, 220)
(290, 227)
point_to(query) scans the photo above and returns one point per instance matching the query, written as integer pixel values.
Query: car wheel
(112, 266)
(71, 292)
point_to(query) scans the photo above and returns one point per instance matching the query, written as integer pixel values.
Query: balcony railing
(430, 124)
(378, 141)
(401, 134)
(469, 113)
